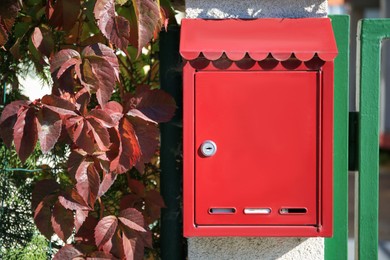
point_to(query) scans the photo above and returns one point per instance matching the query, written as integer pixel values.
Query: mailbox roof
(258, 38)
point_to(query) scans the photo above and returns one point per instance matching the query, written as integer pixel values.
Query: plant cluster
(100, 108)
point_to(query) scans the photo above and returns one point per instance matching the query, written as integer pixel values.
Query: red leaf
(115, 28)
(115, 111)
(130, 151)
(136, 113)
(100, 76)
(101, 162)
(119, 28)
(43, 41)
(82, 100)
(72, 200)
(8, 11)
(148, 16)
(154, 202)
(9, 8)
(88, 181)
(12, 109)
(25, 133)
(105, 230)
(42, 189)
(134, 239)
(108, 180)
(155, 104)
(79, 218)
(136, 187)
(102, 117)
(104, 11)
(3, 33)
(84, 234)
(129, 246)
(75, 161)
(66, 65)
(80, 133)
(115, 246)
(65, 84)
(63, 15)
(61, 57)
(84, 140)
(132, 219)
(148, 137)
(154, 197)
(59, 105)
(49, 126)
(131, 201)
(8, 120)
(62, 221)
(8, 23)
(104, 52)
(99, 255)
(67, 252)
(100, 134)
(146, 238)
(42, 217)
(113, 154)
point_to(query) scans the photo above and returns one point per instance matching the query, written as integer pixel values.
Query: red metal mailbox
(258, 127)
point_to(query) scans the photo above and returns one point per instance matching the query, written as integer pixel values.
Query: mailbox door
(265, 126)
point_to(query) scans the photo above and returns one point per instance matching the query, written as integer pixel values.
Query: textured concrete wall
(203, 248)
(240, 248)
(217, 9)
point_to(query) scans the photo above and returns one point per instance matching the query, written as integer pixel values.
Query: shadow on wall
(254, 248)
(249, 9)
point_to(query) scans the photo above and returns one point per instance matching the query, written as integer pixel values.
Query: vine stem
(101, 208)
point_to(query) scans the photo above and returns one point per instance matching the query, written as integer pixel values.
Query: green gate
(371, 32)
(337, 247)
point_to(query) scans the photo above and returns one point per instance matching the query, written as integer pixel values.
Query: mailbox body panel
(324, 179)
(265, 126)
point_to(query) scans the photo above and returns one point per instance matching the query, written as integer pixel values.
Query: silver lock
(208, 148)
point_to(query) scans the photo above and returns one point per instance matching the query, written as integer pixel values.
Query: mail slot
(258, 127)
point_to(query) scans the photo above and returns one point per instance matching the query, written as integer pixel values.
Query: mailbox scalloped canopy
(304, 38)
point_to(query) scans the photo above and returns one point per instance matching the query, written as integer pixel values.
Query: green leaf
(21, 28)
(121, 2)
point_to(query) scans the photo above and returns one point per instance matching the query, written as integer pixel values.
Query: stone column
(247, 248)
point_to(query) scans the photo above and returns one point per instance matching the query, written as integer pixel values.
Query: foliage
(104, 108)
(36, 249)
(16, 226)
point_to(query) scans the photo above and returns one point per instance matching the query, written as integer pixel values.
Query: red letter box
(258, 127)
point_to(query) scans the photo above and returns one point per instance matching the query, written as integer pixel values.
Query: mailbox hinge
(353, 141)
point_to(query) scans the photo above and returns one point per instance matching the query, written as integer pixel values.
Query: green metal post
(336, 248)
(172, 246)
(370, 34)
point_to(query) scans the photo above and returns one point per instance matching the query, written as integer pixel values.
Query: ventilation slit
(293, 211)
(222, 210)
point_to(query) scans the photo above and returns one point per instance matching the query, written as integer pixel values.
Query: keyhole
(208, 148)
